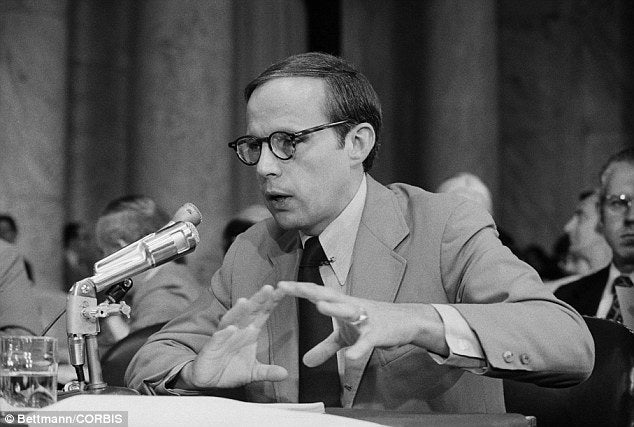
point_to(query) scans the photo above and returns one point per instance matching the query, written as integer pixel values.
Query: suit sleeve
(163, 299)
(526, 333)
(166, 352)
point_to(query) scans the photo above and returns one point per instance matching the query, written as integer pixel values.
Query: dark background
(104, 98)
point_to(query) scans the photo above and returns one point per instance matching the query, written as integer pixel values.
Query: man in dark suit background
(594, 295)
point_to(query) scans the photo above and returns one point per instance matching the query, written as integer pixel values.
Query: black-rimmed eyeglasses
(618, 204)
(282, 144)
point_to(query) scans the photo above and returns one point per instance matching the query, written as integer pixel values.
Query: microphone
(186, 213)
(177, 238)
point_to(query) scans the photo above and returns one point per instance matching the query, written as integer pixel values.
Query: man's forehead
(286, 102)
(621, 177)
(287, 93)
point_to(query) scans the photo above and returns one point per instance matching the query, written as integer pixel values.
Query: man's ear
(361, 139)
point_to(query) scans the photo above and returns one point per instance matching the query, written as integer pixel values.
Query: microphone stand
(82, 324)
(174, 240)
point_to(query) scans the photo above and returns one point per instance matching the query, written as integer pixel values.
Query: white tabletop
(203, 411)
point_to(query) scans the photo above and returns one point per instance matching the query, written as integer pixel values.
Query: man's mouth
(277, 199)
(628, 238)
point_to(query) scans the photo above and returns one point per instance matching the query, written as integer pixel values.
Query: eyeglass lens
(249, 149)
(281, 143)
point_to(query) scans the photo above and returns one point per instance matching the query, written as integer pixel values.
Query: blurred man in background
(588, 250)
(9, 233)
(594, 295)
(241, 223)
(80, 253)
(157, 295)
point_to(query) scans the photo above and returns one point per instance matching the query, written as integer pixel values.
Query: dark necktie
(321, 383)
(615, 310)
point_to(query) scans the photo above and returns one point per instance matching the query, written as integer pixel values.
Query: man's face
(309, 190)
(618, 228)
(582, 227)
(107, 226)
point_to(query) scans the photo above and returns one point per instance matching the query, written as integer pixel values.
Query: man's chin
(626, 253)
(286, 221)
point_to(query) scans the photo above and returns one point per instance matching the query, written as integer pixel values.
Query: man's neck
(625, 267)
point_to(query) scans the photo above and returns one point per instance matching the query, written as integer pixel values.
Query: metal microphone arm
(82, 311)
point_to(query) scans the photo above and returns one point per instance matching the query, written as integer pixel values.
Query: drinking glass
(28, 373)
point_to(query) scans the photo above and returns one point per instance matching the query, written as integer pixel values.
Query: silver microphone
(176, 239)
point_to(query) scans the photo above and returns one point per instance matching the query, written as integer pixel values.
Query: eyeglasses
(282, 144)
(618, 204)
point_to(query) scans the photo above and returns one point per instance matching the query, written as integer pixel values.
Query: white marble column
(33, 104)
(193, 60)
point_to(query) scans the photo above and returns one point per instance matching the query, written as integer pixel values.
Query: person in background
(588, 250)
(594, 294)
(18, 312)
(582, 249)
(9, 233)
(26, 310)
(354, 293)
(157, 295)
(471, 187)
(241, 223)
(79, 253)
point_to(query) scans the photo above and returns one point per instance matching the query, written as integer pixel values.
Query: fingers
(328, 301)
(343, 311)
(228, 339)
(360, 348)
(254, 310)
(263, 372)
(309, 291)
(323, 351)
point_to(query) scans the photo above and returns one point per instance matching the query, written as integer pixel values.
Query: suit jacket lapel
(593, 292)
(283, 328)
(377, 270)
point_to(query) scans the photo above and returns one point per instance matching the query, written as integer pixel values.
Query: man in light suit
(593, 295)
(425, 305)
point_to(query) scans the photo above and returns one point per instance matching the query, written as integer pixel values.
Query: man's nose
(629, 214)
(569, 226)
(268, 164)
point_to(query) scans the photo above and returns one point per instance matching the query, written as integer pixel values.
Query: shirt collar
(339, 236)
(614, 273)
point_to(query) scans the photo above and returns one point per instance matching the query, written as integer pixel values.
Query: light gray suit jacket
(412, 247)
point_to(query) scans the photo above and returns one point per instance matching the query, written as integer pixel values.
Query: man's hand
(386, 325)
(228, 359)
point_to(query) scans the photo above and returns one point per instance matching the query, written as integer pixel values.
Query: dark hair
(70, 232)
(349, 94)
(623, 156)
(232, 229)
(9, 219)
